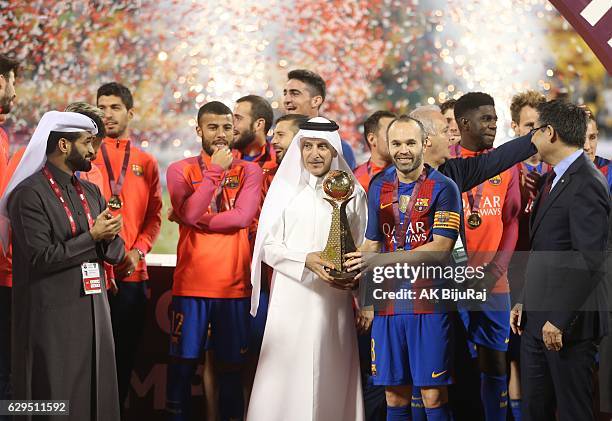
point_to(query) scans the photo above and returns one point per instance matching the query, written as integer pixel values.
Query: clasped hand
(362, 261)
(106, 226)
(321, 267)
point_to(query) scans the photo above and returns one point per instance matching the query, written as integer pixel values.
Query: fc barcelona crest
(231, 182)
(496, 181)
(442, 217)
(421, 204)
(137, 170)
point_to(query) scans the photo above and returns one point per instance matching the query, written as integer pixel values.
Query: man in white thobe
(309, 363)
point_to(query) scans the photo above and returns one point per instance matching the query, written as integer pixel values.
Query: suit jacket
(566, 268)
(605, 348)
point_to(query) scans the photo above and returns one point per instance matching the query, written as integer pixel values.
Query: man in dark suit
(563, 305)
(605, 347)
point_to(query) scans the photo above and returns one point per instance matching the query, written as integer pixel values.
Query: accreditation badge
(459, 254)
(91, 278)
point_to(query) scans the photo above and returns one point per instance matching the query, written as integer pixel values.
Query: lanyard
(402, 228)
(116, 185)
(58, 193)
(474, 201)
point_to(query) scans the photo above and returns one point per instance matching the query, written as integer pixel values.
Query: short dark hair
(447, 105)
(295, 119)
(8, 64)
(568, 120)
(260, 108)
(117, 89)
(314, 81)
(54, 138)
(407, 119)
(371, 124)
(214, 107)
(470, 102)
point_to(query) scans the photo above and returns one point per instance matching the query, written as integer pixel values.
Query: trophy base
(343, 276)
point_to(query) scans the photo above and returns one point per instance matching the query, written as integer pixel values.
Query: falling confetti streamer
(494, 46)
(176, 55)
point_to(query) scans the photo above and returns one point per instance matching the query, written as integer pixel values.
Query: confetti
(176, 55)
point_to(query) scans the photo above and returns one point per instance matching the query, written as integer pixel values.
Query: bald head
(429, 116)
(438, 136)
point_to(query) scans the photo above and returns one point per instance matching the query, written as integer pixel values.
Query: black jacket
(566, 269)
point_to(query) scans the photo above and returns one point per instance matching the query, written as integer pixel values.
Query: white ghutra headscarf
(290, 179)
(34, 157)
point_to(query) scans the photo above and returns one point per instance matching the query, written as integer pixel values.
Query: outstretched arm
(470, 172)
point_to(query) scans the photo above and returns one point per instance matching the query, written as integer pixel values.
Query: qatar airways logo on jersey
(416, 232)
(489, 206)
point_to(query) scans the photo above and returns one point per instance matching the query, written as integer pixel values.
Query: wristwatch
(140, 253)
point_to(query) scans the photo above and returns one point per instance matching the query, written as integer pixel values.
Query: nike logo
(244, 350)
(507, 340)
(385, 205)
(435, 375)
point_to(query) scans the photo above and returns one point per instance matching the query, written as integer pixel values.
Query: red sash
(420, 216)
(420, 213)
(60, 197)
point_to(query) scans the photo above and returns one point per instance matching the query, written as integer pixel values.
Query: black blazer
(566, 269)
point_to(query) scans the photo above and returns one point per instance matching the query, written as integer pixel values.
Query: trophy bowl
(338, 185)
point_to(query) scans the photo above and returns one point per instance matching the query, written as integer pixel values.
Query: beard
(244, 139)
(76, 162)
(279, 156)
(208, 148)
(115, 130)
(415, 164)
(5, 104)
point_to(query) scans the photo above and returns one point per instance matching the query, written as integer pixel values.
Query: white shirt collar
(314, 181)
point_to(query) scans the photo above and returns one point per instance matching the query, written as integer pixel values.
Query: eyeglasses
(535, 129)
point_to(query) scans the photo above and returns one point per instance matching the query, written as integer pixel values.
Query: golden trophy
(339, 186)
